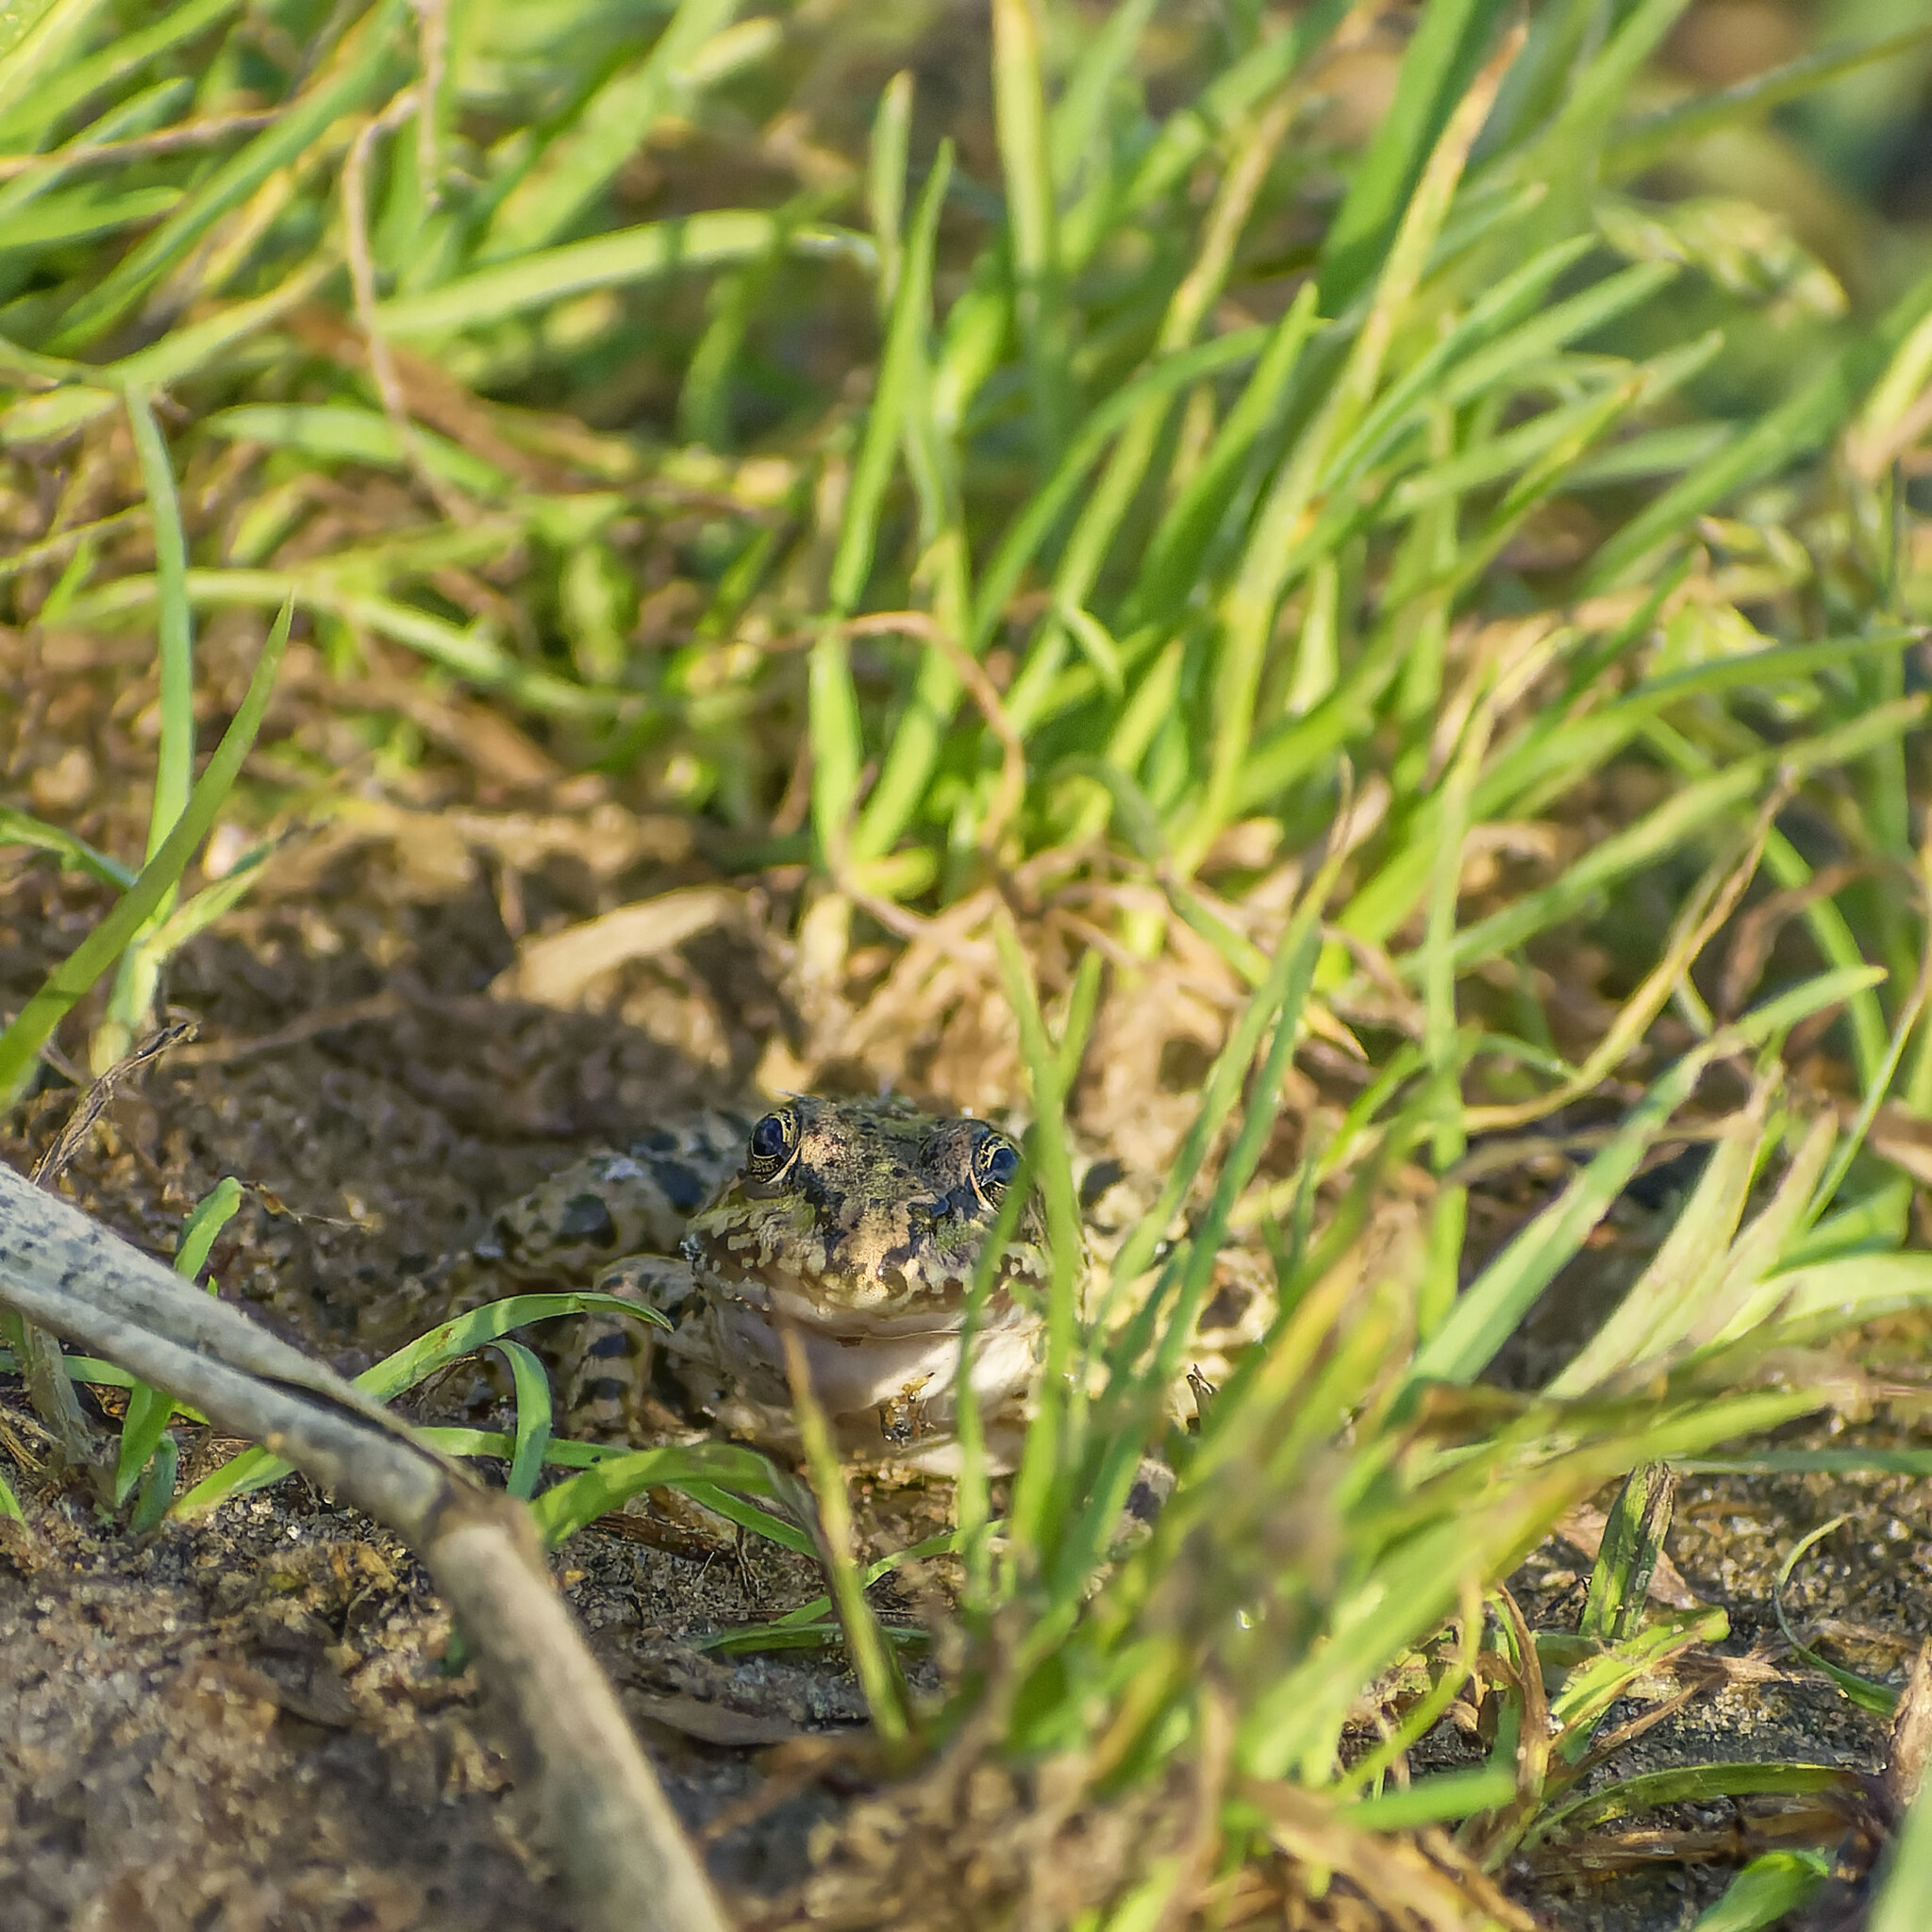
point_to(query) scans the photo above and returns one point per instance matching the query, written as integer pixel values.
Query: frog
(856, 1225)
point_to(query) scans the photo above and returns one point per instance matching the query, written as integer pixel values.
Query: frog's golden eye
(995, 1161)
(773, 1142)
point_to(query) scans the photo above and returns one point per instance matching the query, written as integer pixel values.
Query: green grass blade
(836, 731)
(1032, 217)
(608, 1483)
(1908, 1884)
(1769, 1888)
(352, 82)
(1490, 1308)
(145, 1425)
(532, 1441)
(1786, 435)
(932, 462)
(724, 237)
(1451, 41)
(1193, 130)
(582, 160)
(1436, 1799)
(414, 1363)
(56, 94)
(20, 1044)
(1053, 1432)
(1640, 143)
(175, 625)
(21, 829)
(40, 35)
(1036, 517)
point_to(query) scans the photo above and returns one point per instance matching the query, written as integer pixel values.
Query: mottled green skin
(864, 1239)
(875, 1222)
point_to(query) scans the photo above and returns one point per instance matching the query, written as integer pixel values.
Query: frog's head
(865, 1215)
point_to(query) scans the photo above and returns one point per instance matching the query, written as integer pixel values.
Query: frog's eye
(771, 1143)
(995, 1161)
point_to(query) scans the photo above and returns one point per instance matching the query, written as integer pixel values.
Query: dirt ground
(246, 1724)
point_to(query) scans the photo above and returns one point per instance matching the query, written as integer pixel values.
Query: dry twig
(615, 1837)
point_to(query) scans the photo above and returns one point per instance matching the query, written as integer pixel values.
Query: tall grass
(1147, 462)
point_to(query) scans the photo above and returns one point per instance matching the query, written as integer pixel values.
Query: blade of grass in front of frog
(971, 1494)
(1490, 1307)
(562, 1453)
(10, 1502)
(145, 1425)
(414, 1363)
(872, 1660)
(157, 1488)
(1115, 1458)
(532, 1439)
(467, 1333)
(1219, 1093)
(21, 1042)
(1225, 1079)
(1054, 1435)
(815, 1615)
(612, 1481)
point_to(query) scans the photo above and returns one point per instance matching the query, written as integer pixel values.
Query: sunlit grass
(1471, 483)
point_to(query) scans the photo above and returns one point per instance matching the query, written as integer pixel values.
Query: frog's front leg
(606, 1375)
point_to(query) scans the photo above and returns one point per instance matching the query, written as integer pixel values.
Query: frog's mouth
(857, 1366)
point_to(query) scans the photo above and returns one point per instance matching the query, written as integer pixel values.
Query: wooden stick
(616, 1840)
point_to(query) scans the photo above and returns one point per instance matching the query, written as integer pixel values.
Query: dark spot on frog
(683, 1187)
(655, 1141)
(585, 1218)
(1100, 1177)
(1657, 1186)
